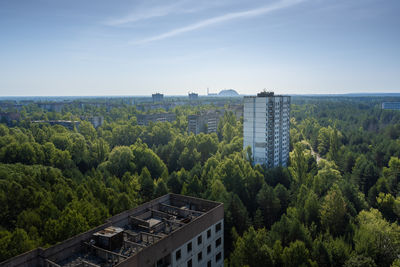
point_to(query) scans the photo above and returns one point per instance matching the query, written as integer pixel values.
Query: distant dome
(229, 92)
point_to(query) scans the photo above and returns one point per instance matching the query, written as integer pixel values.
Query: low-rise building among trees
(203, 123)
(144, 119)
(96, 121)
(66, 123)
(391, 105)
(8, 117)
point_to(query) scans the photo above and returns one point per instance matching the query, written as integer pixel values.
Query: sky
(138, 47)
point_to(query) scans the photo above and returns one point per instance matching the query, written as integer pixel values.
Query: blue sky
(121, 47)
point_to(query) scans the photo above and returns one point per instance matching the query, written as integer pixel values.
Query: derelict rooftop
(264, 94)
(148, 235)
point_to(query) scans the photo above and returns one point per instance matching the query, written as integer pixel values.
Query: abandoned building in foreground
(172, 230)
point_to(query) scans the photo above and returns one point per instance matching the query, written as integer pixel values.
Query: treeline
(55, 182)
(344, 209)
(336, 204)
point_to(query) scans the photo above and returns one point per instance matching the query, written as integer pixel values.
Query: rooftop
(124, 235)
(266, 94)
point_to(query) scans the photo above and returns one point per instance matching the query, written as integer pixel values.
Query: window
(199, 240)
(218, 227)
(189, 247)
(208, 233)
(218, 242)
(209, 264)
(209, 249)
(178, 255)
(218, 257)
(189, 263)
(199, 256)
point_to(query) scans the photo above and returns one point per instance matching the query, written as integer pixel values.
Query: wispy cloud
(149, 12)
(220, 19)
(145, 13)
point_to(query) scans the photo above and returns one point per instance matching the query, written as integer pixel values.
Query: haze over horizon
(98, 47)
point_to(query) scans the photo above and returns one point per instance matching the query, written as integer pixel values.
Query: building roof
(266, 94)
(125, 235)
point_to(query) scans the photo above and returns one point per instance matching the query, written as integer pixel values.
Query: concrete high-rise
(266, 128)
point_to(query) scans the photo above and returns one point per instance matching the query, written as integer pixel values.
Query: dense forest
(336, 204)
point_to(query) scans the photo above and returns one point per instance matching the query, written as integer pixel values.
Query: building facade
(65, 123)
(52, 106)
(8, 117)
(205, 249)
(391, 105)
(96, 121)
(193, 96)
(266, 125)
(145, 119)
(206, 122)
(171, 231)
(157, 97)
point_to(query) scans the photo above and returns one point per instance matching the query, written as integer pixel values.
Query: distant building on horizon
(391, 105)
(228, 93)
(266, 128)
(193, 96)
(157, 97)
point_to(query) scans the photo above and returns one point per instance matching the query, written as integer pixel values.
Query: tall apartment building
(266, 128)
(172, 230)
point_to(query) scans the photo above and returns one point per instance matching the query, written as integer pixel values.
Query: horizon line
(212, 95)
